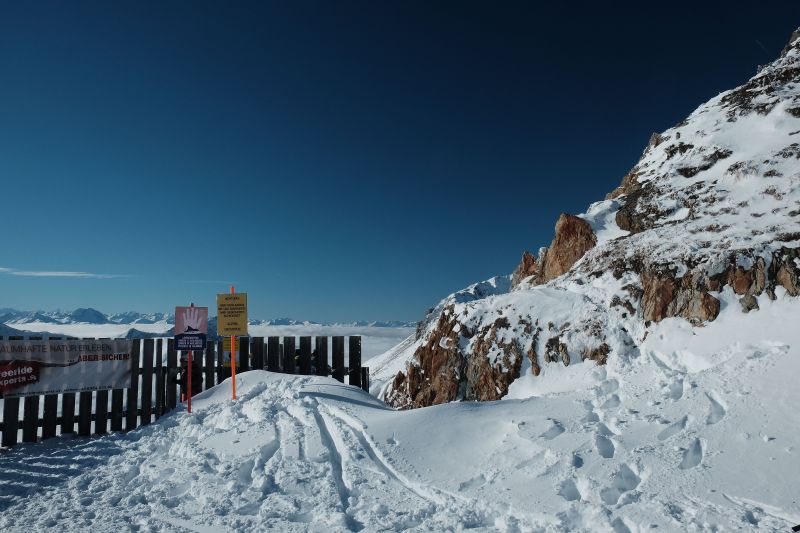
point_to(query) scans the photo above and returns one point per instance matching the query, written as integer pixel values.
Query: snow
(696, 438)
(601, 216)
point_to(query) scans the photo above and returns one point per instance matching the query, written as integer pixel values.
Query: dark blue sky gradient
(336, 160)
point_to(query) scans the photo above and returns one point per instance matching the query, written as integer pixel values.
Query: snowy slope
(695, 438)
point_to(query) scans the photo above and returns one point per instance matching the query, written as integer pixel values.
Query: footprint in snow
(624, 480)
(609, 386)
(569, 491)
(673, 429)
(716, 410)
(555, 430)
(612, 402)
(604, 446)
(693, 456)
(675, 389)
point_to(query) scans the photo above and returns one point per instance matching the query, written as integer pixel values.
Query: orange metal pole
(233, 359)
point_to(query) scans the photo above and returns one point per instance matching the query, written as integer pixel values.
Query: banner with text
(30, 368)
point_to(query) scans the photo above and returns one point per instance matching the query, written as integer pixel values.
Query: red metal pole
(189, 388)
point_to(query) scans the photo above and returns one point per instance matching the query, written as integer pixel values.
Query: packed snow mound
(712, 205)
(697, 433)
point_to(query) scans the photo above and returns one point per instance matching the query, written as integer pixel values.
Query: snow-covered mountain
(79, 316)
(708, 218)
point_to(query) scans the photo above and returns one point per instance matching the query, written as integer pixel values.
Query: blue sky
(335, 160)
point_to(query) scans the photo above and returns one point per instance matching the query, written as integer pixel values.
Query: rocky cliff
(709, 215)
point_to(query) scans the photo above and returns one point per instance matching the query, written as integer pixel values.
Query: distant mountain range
(13, 321)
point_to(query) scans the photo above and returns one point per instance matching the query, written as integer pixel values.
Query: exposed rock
(794, 40)
(629, 184)
(533, 356)
(555, 350)
(628, 217)
(741, 280)
(784, 270)
(749, 303)
(616, 301)
(492, 365)
(665, 296)
(708, 162)
(655, 139)
(526, 268)
(441, 372)
(574, 237)
(435, 376)
(423, 324)
(598, 354)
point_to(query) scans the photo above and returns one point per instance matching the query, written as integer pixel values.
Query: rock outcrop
(443, 372)
(666, 296)
(527, 267)
(574, 237)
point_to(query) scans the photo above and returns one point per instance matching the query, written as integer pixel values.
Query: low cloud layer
(57, 274)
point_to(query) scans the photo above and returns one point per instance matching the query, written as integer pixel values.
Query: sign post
(232, 321)
(191, 329)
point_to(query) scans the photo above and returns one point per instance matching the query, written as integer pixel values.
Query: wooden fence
(155, 384)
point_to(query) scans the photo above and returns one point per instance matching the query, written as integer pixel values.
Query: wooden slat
(68, 413)
(305, 355)
(132, 418)
(11, 414)
(171, 400)
(222, 372)
(117, 407)
(321, 358)
(273, 354)
(210, 364)
(85, 413)
(30, 419)
(50, 415)
(257, 352)
(365, 378)
(337, 366)
(101, 413)
(288, 355)
(243, 361)
(85, 408)
(147, 381)
(159, 368)
(10, 421)
(354, 361)
(30, 414)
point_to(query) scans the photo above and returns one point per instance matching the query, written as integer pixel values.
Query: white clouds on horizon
(59, 274)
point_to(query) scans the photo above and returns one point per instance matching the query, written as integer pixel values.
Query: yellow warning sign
(232, 314)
